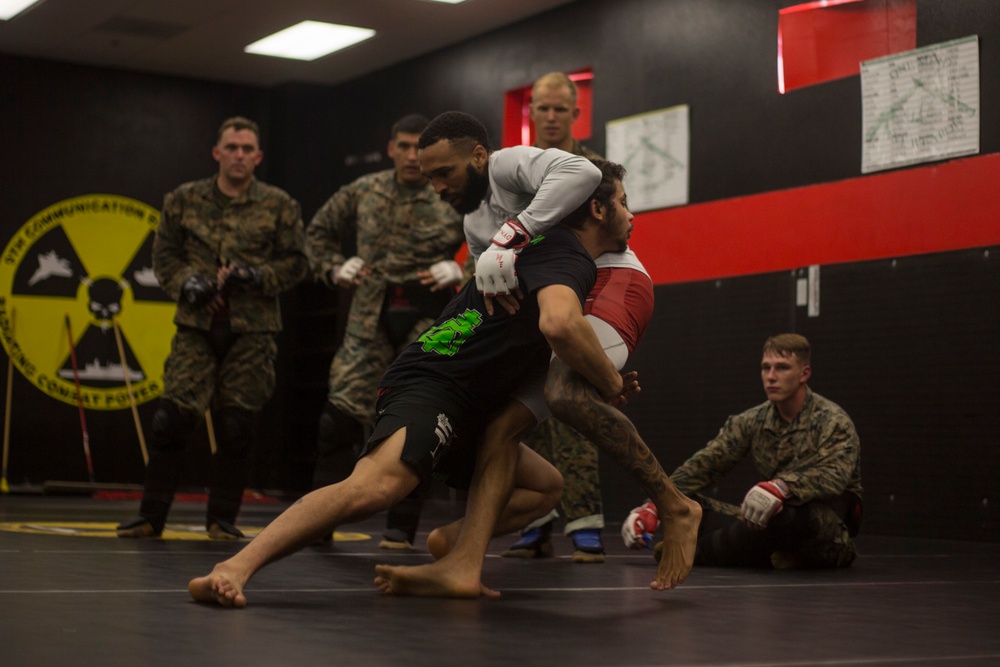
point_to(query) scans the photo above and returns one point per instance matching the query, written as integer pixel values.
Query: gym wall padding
(776, 184)
(763, 166)
(907, 346)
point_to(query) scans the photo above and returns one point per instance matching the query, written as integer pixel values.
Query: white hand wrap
(348, 270)
(446, 273)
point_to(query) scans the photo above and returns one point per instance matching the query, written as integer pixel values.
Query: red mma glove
(762, 502)
(639, 526)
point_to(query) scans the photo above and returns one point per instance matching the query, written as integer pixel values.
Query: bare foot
(680, 537)
(219, 586)
(432, 580)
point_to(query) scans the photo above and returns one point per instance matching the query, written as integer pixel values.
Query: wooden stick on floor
(211, 430)
(4, 487)
(79, 402)
(131, 396)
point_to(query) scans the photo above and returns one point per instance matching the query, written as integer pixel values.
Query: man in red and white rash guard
(622, 298)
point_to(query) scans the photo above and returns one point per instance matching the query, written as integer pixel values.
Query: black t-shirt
(484, 358)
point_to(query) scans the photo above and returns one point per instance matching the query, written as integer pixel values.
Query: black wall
(888, 347)
(718, 57)
(904, 349)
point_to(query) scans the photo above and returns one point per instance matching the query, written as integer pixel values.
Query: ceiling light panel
(11, 8)
(309, 40)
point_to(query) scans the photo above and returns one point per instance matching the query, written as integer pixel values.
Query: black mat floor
(71, 597)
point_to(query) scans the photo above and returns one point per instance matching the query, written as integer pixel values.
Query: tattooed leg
(577, 403)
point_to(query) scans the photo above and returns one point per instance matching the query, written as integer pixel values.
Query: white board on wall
(654, 149)
(921, 105)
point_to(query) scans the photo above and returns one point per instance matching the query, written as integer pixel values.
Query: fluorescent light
(11, 8)
(309, 40)
(450, 2)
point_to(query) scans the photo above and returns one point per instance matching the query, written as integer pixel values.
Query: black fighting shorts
(442, 432)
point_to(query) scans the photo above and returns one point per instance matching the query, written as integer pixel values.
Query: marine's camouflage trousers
(357, 367)
(576, 458)
(206, 369)
(825, 542)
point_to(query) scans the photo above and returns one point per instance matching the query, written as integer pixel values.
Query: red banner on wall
(948, 206)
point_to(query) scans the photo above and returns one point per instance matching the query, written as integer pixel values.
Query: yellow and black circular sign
(79, 305)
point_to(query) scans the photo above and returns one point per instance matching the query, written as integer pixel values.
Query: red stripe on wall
(913, 211)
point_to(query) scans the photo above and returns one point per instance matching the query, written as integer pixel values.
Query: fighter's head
(608, 207)
(454, 152)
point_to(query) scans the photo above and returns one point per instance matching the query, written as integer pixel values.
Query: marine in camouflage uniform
(401, 229)
(570, 452)
(816, 455)
(224, 259)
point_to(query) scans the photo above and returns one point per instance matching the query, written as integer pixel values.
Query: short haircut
(414, 123)
(461, 130)
(612, 174)
(789, 343)
(239, 123)
(554, 80)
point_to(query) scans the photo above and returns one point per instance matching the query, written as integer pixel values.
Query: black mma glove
(198, 290)
(242, 277)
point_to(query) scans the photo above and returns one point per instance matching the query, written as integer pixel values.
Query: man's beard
(619, 239)
(476, 186)
(621, 242)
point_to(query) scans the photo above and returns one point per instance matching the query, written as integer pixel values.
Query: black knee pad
(327, 431)
(338, 430)
(170, 426)
(235, 430)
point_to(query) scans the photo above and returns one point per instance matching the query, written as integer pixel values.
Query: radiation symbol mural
(71, 269)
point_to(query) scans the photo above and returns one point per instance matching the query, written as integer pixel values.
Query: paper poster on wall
(921, 105)
(654, 149)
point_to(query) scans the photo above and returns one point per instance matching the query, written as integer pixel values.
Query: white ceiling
(205, 38)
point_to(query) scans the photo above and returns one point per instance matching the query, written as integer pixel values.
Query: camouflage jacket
(818, 454)
(261, 227)
(580, 149)
(398, 231)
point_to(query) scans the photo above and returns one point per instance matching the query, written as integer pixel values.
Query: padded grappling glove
(495, 272)
(639, 526)
(762, 502)
(242, 277)
(198, 290)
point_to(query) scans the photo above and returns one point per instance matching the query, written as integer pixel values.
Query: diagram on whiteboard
(654, 149)
(920, 105)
